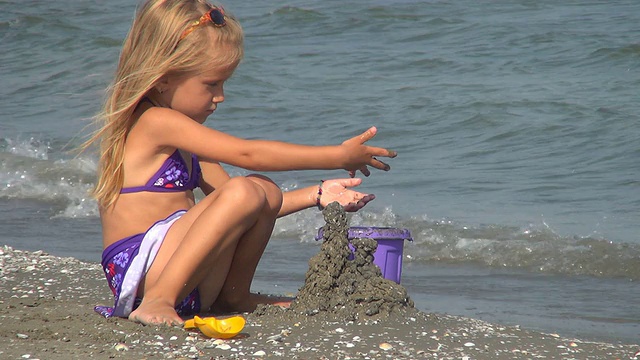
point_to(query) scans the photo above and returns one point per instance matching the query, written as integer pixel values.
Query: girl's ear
(162, 85)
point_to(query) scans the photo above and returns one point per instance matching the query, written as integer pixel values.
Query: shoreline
(47, 313)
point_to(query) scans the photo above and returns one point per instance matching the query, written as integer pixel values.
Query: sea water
(516, 124)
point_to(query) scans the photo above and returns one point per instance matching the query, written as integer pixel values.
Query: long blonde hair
(151, 50)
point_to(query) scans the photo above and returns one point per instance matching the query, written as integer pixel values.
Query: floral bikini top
(173, 176)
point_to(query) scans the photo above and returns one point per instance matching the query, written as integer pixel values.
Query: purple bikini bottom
(125, 263)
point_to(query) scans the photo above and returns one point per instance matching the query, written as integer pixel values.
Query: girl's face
(197, 96)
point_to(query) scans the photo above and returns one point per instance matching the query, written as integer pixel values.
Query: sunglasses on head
(215, 16)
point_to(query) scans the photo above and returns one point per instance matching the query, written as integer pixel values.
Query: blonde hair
(151, 50)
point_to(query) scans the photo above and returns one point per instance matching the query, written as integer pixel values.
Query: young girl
(166, 255)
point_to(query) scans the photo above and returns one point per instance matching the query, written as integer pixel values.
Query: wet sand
(46, 312)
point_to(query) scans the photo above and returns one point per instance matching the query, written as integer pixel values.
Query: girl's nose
(218, 97)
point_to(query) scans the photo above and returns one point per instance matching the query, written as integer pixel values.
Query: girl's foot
(282, 301)
(251, 302)
(152, 312)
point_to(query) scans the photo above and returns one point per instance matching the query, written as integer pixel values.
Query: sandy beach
(343, 311)
(46, 312)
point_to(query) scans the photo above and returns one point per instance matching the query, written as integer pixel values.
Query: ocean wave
(30, 172)
(533, 248)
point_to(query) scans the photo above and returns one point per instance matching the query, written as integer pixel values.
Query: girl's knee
(244, 192)
(272, 191)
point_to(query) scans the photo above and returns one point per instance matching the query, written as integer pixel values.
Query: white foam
(29, 173)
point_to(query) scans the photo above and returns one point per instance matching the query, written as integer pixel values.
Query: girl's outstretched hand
(338, 190)
(361, 156)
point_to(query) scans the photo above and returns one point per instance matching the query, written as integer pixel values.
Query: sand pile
(347, 289)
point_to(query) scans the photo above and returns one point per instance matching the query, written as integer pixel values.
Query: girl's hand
(337, 190)
(361, 156)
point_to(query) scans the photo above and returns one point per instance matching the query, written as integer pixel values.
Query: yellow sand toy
(219, 328)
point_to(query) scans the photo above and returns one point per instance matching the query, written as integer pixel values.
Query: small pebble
(259, 353)
(121, 347)
(469, 344)
(22, 336)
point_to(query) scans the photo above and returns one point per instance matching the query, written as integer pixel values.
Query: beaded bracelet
(319, 196)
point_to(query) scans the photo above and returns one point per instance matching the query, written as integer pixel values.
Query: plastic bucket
(388, 255)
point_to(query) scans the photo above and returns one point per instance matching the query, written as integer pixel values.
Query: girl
(166, 255)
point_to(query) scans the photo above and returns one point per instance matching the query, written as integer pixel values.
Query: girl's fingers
(380, 164)
(349, 182)
(376, 151)
(364, 137)
(355, 206)
(368, 135)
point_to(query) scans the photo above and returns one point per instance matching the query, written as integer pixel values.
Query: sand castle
(338, 287)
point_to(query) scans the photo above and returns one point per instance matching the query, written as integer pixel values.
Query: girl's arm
(166, 127)
(332, 190)
(213, 176)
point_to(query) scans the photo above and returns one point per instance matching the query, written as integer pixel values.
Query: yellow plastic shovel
(219, 328)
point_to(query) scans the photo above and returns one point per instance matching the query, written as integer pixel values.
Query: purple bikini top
(173, 176)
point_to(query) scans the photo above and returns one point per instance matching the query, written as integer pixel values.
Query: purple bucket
(388, 255)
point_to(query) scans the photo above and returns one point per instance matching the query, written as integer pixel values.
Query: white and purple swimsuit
(126, 261)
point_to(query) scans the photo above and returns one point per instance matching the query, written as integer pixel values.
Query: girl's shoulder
(149, 124)
(159, 122)
(163, 127)
(154, 116)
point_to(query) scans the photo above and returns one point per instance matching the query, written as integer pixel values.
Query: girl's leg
(201, 242)
(235, 294)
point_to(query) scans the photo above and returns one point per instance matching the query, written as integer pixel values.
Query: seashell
(275, 338)
(385, 346)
